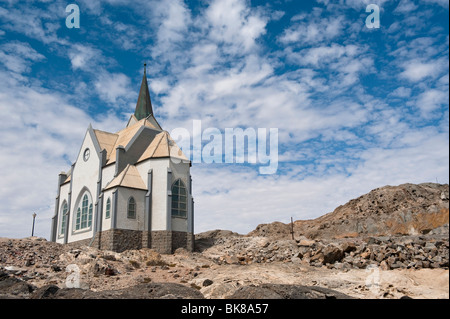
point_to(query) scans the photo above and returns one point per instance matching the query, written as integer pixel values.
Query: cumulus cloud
(415, 70)
(18, 56)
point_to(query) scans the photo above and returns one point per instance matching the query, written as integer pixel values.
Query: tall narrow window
(179, 199)
(63, 218)
(108, 208)
(89, 223)
(78, 223)
(131, 212)
(84, 213)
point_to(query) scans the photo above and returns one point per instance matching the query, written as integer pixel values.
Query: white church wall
(108, 174)
(159, 189)
(84, 177)
(106, 222)
(123, 222)
(63, 197)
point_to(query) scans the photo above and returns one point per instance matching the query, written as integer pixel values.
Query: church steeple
(143, 105)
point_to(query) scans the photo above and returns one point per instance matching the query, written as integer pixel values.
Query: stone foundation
(119, 240)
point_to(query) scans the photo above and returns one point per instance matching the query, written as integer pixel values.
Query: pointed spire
(143, 105)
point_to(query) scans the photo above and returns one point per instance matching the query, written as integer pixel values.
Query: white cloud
(443, 3)
(313, 32)
(33, 22)
(84, 57)
(416, 70)
(113, 86)
(402, 92)
(431, 100)
(232, 22)
(406, 6)
(18, 56)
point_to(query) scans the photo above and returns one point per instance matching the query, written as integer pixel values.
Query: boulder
(332, 253)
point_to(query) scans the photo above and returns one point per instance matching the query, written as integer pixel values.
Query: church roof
(162, 146)
(144, 104)
(110, 141)
(129, 177)
(106, 140)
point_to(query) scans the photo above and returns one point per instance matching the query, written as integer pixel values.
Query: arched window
(108, 208)
(131, 211)
(84, 213)
(179, 199)
(65, 208)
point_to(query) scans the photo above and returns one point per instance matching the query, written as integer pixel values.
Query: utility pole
(292, 228)
(32, 229)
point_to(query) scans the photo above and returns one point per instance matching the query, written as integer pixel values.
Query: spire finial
(145, 68)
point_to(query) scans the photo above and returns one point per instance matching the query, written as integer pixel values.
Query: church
(127, 190)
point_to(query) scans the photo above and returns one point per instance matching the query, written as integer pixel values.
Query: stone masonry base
(118, 240)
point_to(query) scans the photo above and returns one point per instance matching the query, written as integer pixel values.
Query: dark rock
(56, 268)
(11, 286)
(45, 292)
(160, 290)
(331, 254)
(276, 291)
(109, 271)
(207, 282)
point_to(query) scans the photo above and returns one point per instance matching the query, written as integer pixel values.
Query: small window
(179, 199)
(131, 212)
(108, 208)
(63, 218)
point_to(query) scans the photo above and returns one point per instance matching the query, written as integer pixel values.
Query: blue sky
(356, 108)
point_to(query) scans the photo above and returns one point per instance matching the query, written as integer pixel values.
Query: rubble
(428, 251)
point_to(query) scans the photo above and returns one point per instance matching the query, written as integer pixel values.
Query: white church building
(127, 190)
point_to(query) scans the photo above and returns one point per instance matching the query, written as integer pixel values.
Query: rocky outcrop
(407, 209)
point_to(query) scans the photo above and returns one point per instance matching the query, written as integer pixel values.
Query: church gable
(90, 148)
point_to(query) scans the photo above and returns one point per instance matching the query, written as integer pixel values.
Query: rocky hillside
(407, 209)
(398, 237)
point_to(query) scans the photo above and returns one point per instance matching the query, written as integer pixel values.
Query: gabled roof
(106, 140)
(124, 137)
(129, 177)
(162, 146)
